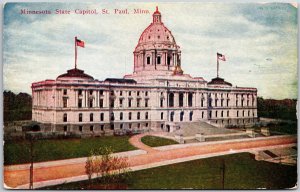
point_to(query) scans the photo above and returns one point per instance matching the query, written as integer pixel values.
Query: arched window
(181, 99)
(129, 115)
(202, 114)
(216, 113)
(237, 113)
(80, 117)
(65, 117)
(221, 113)
(248, 113)
(146, 115)
(121, 116)
(181, 115)
(91, 117)
(162, 115)
(138, 116)
(172, 116)
(171, 100)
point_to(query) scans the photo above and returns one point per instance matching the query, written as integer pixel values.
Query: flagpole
(75, 53)
(217, 66)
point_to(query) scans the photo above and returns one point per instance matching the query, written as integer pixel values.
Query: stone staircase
(192, 128)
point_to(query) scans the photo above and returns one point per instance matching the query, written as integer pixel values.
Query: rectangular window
(169, 60)
(101, 103)
(102, 127)
(79, 103)
(80, 92)
(65, 92)
(91, 92)
(129, 102)
(148, 60)
(121, 93)
(91, 103)
(138, 103)
(121, 102)
(112, 103)
(91, 128)
(65, 102)
(138, 93)
(101, 92)
(161, 102)
(80, 128)
(146, 103)
(101, 116)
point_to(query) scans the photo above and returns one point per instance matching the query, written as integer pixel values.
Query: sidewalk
(60, 173)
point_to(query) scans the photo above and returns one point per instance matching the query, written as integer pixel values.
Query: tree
(108, 169)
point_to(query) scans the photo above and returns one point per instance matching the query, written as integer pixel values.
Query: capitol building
(157, 96)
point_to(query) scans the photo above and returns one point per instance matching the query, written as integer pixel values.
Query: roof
(76, 73)
(218, 81)
(116, 80)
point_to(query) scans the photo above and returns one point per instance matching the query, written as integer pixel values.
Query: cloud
(38, 47)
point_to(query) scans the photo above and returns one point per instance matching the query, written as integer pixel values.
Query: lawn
(153, 141)
(242, 171)
(54, 149)
(284, 127)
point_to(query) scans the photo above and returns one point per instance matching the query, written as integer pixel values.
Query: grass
(153, 141)
(242, 171)
(18, 152)
(283, 127)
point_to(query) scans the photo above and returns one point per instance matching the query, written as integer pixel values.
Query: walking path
(64, 172)
(136, 141)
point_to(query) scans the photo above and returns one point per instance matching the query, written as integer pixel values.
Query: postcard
(150, 95)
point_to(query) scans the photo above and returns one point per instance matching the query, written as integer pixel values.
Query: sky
(259, 42)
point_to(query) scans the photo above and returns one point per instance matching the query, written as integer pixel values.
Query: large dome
(156, 34)
(157, 52)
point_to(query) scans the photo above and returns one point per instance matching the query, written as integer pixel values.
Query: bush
(108, 169)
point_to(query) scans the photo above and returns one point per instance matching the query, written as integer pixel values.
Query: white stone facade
(157, 94)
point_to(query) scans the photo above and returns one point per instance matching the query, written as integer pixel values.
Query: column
(176, 99)
(166, 59)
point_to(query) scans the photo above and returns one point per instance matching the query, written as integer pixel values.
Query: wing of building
(157, 95)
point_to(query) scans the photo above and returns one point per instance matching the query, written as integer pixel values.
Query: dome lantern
(156, 16)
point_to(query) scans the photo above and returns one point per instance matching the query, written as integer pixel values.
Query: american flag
(221, 57)
(79, 43)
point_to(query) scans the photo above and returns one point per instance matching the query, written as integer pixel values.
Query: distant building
(157, 95)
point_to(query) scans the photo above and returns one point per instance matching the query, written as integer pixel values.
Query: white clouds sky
(259, 41)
